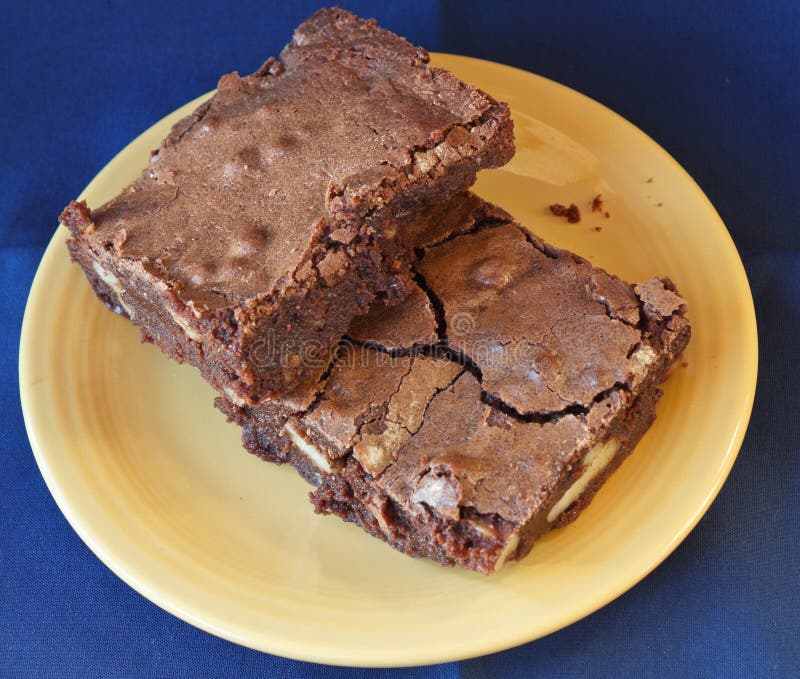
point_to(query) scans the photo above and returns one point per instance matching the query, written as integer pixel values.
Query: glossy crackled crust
(437, 447)
(280, 205)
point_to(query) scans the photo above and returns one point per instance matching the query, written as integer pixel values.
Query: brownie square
(276, 212)
(490, 405)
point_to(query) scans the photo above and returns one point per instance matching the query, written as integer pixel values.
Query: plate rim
(325, 654)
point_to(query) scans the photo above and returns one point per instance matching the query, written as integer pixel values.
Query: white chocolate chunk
(107, 277)
(375, 451)
(508, 551)
(594, 462)
(440, 493)
(307, 448)
(446, 152)
(188, 329)
(425, 161)
(642, 358)
(380, 516)
(112, 282)
(233, 397)
(482, 528)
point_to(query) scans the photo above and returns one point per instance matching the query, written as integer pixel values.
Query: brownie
(275, 213)
(489, 406)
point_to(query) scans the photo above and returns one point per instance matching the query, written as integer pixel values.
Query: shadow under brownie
(486, 408)
(276, 212)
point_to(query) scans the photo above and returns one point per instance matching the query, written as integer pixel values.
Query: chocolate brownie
(275, 213)
(543, 376)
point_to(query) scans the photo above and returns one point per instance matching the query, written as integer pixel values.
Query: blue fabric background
(718, 86)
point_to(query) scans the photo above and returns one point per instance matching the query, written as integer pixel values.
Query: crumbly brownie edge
(436, 173)
(483, 138)
(214, 345)
(260, 437)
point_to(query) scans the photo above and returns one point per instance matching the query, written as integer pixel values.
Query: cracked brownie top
(510, 360)
(240, 191)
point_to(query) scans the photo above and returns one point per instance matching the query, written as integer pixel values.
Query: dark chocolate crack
(319, 387)
(478, 279)
(627, 305)
(436, 305)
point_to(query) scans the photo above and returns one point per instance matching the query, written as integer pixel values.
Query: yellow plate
(156, 483)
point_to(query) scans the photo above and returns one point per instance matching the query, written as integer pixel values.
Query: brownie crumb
(607, 215)
(598, 228)
(496, 419)
(685, 364)
(597, 203)
(660, 204)
(650, 180)
(572, 213)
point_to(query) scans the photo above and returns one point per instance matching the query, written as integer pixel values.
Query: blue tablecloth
(717, 86)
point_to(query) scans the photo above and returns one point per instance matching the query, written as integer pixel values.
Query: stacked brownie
(444, 378)
(275, 213)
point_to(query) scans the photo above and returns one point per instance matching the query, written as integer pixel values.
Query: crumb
(608, 215)
(495, 419)
(597, 203)
(120, 238)
(650, 180)
(685, 364)
(598, 228)
(572, 213)
(659, 204)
